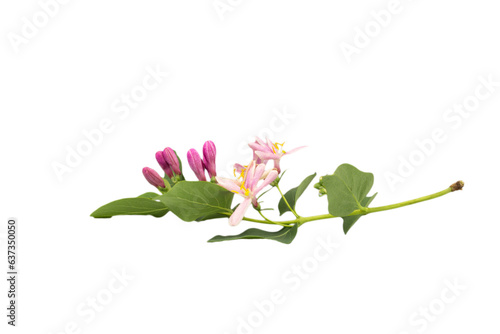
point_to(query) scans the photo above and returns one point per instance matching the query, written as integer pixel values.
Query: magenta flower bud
(209, 158)
(172, 160)
(163, 164)
(153, 177)
(196, 164)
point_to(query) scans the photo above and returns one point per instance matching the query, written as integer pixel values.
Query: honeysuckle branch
(361, 212)
(212, 197)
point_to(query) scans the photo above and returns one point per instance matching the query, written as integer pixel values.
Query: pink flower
(153, 177)
(247, 185)
(266, 150)
(240, 170)
(196, 164)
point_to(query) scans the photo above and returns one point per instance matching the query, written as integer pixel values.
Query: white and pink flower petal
(266, 155)
(229, 184)
(295, 149)
(239, 213)
(259, 171)
(273, 174)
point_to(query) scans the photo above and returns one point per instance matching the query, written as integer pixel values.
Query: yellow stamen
(242, 174)
(247, 191)
(276, 147)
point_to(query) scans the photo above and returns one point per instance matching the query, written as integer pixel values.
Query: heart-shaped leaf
(346, 188)
(350, 220)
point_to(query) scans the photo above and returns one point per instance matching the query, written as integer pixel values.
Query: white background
(229, 76)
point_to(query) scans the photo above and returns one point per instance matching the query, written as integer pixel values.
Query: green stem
(286, 202)
(302, 220)
(262, 215)
(283, 223)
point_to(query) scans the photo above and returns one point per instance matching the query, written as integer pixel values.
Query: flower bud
(172, 160)
(209, 152)
(153, 177)
(164, 164)
(196, 164)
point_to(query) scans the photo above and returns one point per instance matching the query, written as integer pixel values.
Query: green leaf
(198, 200)
(285, 235)
(171, 183)
(131, 206)
(213, 216)
(293, 194)
(346, 188)
(149, 195)
(350, 220)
